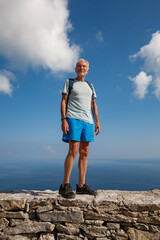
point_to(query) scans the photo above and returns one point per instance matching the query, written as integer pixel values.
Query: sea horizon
(107, 174)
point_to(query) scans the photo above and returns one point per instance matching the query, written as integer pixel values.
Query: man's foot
(85, 190)
(66, 191)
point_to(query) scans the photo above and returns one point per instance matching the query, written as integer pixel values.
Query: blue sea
(132, 175)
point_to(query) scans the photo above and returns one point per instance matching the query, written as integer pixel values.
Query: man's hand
(97, 128)
(65, 126)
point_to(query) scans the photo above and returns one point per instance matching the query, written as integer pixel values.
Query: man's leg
(82, 188)
(73, 150)
(82, 164)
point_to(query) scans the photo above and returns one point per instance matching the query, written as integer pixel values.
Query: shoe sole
(86, 193)
(66, 196)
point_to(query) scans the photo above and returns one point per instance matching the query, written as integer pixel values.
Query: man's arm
(96, 118)
(64, 126)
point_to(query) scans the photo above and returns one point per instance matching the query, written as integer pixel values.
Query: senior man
(77, 107)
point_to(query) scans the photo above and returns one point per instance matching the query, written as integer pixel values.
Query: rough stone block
(102, 238)
(121, 234)
(141, 201)
(42, 201)
(78, 201)
(110, 217)
(68, 230)
(15, 222)
(141, 226)
(72, 225)
(60, 216)
(61, 236)
(94, 231)
(144, 217)
(19, 237)
(44, 208)
(3, 223)
(90, 215)
(114, 226)
(46, 237)
(30, 228)
(156, 236)
(94, 222)
(107, 198)
(14, 202)
(19, 215)
(154, 229)
(135, 234)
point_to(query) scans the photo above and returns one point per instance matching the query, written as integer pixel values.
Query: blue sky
(39, 46)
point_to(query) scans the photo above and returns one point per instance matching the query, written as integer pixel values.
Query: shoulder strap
(71, 81)
(93, 97)
(91, 86)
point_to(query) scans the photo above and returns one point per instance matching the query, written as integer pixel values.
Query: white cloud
(99, 36)
(141, 82)
(5, 85)
(157, 87)
(49, 149)
(34, 32)
(151, 55)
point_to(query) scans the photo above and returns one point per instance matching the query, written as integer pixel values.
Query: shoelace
(68, 188)
(88, 188)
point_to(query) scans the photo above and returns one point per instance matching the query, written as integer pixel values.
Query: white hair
(81, 59)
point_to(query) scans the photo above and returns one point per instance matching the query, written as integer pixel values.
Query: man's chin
(81, 75)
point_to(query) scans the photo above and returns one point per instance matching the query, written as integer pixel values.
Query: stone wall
(119, 215)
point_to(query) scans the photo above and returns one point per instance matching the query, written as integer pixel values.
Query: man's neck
(79, 78)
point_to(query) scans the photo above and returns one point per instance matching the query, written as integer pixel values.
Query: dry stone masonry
(117, 215)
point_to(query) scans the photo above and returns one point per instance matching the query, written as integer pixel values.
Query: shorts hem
(67, 141)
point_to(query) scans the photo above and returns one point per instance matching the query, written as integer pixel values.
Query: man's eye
(82, 66)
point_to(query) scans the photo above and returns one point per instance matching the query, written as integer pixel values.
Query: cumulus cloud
(5, 85)
(49, 149)
(141, 82)
(34, 33)
(99, 36)
(151, 55)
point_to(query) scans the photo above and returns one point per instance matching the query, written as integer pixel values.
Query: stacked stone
(117, 215)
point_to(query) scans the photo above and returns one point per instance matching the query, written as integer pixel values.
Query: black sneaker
(85, 190)
(66, 191)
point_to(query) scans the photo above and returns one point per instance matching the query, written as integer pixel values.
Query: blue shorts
(79, 131)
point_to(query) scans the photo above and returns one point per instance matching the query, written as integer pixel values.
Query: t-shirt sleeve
(94, 96)
(66, 87)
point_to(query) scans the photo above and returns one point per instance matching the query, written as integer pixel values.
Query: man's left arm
(96, 117)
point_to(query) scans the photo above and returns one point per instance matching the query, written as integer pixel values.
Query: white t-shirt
(79, 104)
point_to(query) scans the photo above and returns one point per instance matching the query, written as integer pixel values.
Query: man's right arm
(64, 126)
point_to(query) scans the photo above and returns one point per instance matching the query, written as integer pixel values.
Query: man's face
(81, 69)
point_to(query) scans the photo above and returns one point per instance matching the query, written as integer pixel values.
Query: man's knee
(73, 150)
(83, 152)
